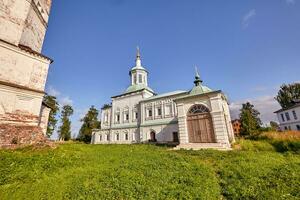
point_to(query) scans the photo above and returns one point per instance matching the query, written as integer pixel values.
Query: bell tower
(138, 74)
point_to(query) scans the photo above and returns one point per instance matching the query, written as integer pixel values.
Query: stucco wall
(293, 122)
(44, 117)
(214, 102)
(21, 68)
(24, 22)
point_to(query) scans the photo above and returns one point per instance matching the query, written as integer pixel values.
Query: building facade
(236, 124)
(23, 68)
(198, 118)
(289, 118)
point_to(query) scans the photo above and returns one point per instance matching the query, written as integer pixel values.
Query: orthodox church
(194, 119)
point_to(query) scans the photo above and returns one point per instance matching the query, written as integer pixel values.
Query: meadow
(255, 170)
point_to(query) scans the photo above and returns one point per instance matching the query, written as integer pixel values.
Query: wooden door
(200, 127)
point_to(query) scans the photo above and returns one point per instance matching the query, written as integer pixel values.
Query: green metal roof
(200, 89)
(165, 95)
(133, 88)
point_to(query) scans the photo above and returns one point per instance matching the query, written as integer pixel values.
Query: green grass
(79, 171)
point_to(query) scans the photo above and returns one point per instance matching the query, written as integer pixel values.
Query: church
(194, 119)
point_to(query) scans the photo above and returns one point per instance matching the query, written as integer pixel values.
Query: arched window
(197, 109)
(117, 136)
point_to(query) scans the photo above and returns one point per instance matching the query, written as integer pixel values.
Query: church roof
(166, 95)
(200, 89)
(133, 88)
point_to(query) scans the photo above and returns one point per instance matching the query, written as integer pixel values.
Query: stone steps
(198, 146)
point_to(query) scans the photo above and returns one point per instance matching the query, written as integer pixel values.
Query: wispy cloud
(247, 18)
(290, 2)
(52, 91)
(62, 99)
(65, 101)
(266, 105)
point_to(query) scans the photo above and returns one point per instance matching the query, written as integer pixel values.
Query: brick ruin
(23, 71)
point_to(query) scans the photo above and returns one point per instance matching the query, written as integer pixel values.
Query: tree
(274, 125)
(52, 121)
(65, 128)
(288, 94)
(250, 121)
(90, 122)
(106, 106)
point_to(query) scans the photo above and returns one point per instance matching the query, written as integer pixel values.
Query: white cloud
(52, 91)
(65, 101)
(266, 105)
(62, 99)
(290, 2)
(247, 17)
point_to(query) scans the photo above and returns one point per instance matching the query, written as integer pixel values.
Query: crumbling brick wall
(12, 135)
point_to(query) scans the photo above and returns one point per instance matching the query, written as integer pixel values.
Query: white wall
(293, 122)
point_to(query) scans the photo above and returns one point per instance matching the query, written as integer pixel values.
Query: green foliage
(254, 174)
(65, 128)
(80, 171)
(274, 126)
(90, 122)
(287, 94)
(250, 121)
(52, 121)
(106, 106)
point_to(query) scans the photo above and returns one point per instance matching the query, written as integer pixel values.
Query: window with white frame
(158, 112)
(126, 114)
(295, 115)
(140, 78)
(126, 136)
(282, 117)
(117, 117)
(134, 79)
(150, 112)
(168, 109)
(287, 116)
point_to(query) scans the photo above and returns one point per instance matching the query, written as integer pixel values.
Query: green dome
(200, 89)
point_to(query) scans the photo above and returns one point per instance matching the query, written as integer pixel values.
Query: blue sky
(245, 48)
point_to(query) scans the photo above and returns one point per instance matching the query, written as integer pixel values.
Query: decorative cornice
(20, 87)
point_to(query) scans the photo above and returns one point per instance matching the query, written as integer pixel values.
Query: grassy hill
(80, 171)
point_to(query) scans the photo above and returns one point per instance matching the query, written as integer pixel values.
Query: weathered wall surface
(21, 68)
(19, 106)
(44, 116)
(13, 14)
(24, 22)
(13, 135)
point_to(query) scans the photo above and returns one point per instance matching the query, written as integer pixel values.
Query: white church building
(194, 119)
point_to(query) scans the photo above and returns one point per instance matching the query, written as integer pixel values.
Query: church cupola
(138, 75)
(199, 88)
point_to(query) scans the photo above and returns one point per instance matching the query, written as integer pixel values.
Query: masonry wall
(221, 124)
(24, 22)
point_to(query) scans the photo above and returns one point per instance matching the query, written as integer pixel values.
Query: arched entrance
(200, 127)
(152, 136)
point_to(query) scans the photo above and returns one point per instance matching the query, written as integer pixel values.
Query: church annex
(195, 119)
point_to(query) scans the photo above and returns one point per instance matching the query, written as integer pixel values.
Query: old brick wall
(11, 135)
